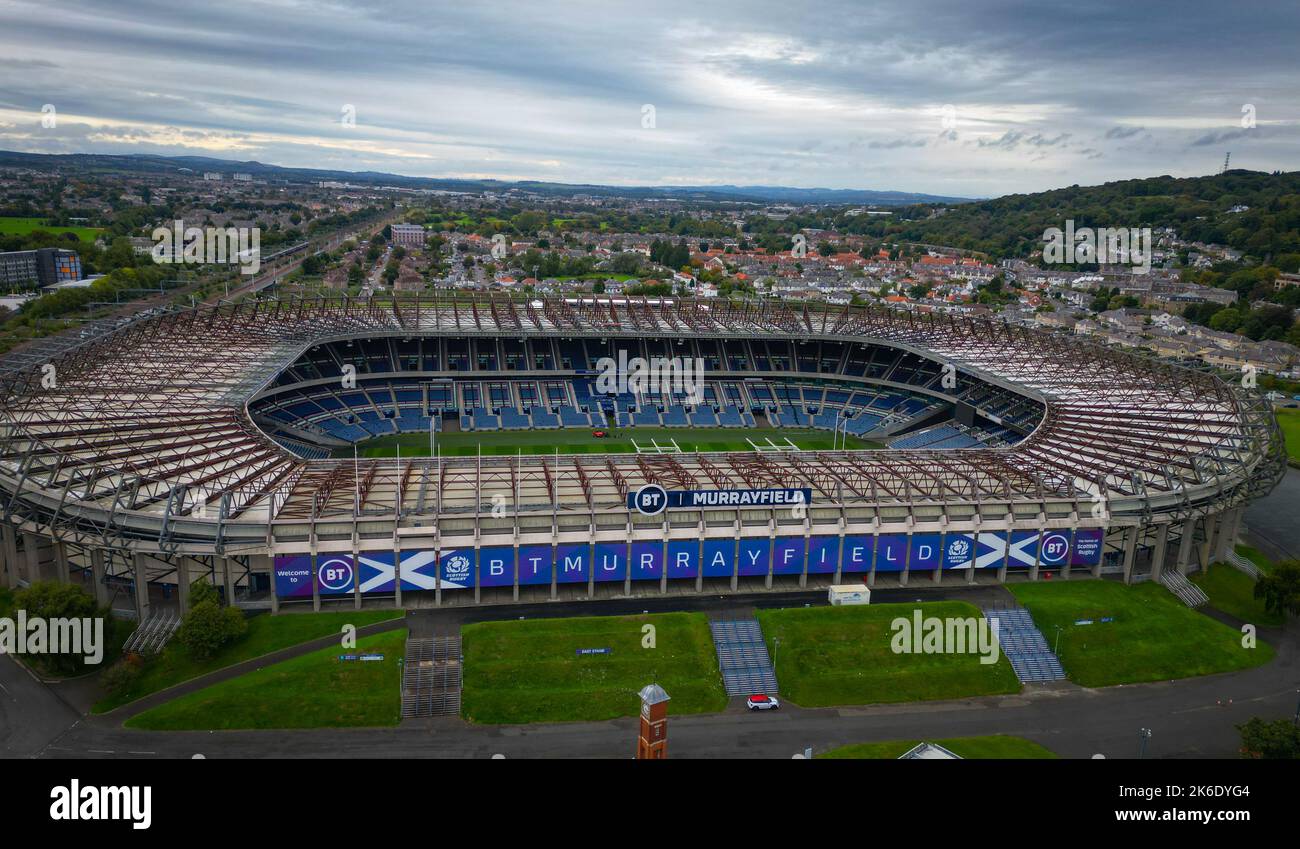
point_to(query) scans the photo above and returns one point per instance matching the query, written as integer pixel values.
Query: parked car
(759, 701)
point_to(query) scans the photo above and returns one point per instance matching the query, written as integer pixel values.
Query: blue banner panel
(891, 552)
(787, 556)
(456, 568)
(647, 561)
(990, 549)
(683, 558)
(926, 554)
(336, 574)
(653, 499)
(1089, 544)
(293, 576)
(958, 551)
(1054, 549)
(823, 555)
(755, 553)
(534, 564)
(1024, 549)
(573, 563)
(719, 558)
(496, 566)
(610, 561)
(375, 569)
(857, 553)
(985, 550)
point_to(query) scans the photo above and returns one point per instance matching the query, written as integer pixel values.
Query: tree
(1278, 740)
(1280, 589)
(49, 600)
(209, 627)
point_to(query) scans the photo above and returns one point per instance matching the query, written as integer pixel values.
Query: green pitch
(580, 441)
(23, 226)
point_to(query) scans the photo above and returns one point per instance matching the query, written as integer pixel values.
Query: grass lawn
(529, 671)
(1254, 555)
(23, 226)
(829, 656)
(316, 690)
(266, 634)
(1154, 636)
(1290, 422)
(1233, 592)
(580, 441)
(996, 747)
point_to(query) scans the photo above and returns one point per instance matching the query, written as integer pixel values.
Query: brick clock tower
(652, 742)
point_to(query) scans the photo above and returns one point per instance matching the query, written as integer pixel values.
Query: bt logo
(336, 574)
(1055, 547)
(650, 499)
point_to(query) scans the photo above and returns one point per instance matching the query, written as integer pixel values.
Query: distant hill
(1253, 212)
(730, 194)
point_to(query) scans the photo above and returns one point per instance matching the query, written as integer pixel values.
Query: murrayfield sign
(652, 499)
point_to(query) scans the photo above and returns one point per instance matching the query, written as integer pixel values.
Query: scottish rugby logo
(457, 567)
(959, 549)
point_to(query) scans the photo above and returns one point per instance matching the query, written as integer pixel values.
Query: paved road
(31, 714)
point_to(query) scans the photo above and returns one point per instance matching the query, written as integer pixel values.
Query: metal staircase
(742, 657)
(431, 677)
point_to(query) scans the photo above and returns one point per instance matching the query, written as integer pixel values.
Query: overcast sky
(966, 97)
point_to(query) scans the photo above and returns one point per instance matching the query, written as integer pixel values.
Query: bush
(122, 676)
(209, 627)
(1278, 740)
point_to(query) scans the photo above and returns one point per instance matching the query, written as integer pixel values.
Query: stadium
(455, 449)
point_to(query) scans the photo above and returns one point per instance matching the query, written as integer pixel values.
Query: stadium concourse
(198, 443)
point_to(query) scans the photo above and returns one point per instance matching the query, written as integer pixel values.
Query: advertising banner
(496, 566)
(788, 556)
(534, 564)
(647, 561)
(1089, 544)
(572, 563)
(610, 561)
(858, 549)
(755, 554)
(719, 558)
(683, 558)
(891, 552)
(293, 576)
(927, 552)
(823, 555)
(456, 568)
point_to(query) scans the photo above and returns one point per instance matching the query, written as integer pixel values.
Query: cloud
(845, 95)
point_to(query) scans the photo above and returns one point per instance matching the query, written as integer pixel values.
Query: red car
(761, 701)
(600, 434)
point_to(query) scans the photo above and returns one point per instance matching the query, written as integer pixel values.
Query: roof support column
(97, 577)
(140, 578)
(1159, 551)
(1130, 552)
(1185, 545)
